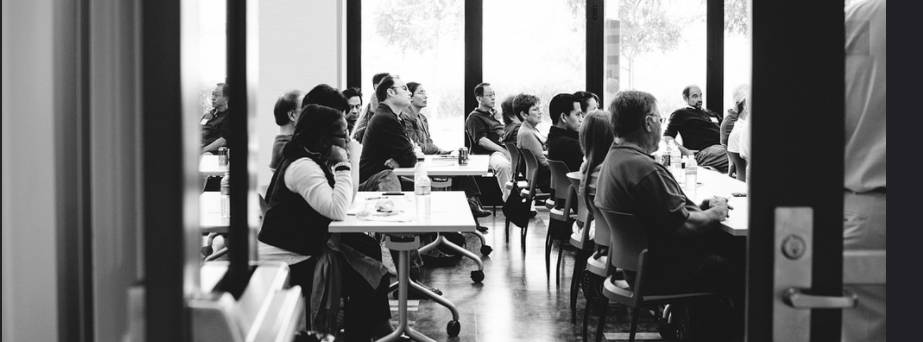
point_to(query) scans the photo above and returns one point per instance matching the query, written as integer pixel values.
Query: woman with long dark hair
(314, 185)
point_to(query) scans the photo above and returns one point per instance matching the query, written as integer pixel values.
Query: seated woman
(314, 185)
(595, 140)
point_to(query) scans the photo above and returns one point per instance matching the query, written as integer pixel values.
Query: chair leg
(575, 280)
(558, 265)
(586, 317)
(601, 324)
(522, 237)
(634, 324)
(507, 224)
(547, 256)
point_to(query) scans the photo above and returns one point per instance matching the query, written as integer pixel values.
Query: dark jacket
(384, 139)
(564, 145)
(290, 223)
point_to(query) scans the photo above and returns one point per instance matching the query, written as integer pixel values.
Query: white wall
(30, 274)
(300, 47)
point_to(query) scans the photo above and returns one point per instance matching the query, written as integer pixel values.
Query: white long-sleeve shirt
(306, 178)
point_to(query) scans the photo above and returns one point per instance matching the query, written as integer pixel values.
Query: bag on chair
(517, 207)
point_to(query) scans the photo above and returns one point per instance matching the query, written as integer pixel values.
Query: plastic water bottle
(226, 195)
(665, 155)
(422, 186)
(692, 174)
(676, 163)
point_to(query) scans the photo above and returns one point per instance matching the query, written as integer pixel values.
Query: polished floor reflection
(516, 301)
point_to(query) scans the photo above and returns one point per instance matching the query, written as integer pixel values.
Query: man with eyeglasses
(386, 146)
(681, 236)
(485, 130)
(701, 131)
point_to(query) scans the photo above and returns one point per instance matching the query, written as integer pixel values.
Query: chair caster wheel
(453, 328)
(477, 276)
(485, 250)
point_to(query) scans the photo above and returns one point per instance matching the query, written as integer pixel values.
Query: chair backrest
(531, 166)
(627, 239)
(517, 158)
(602, 227)
(469, 143)
(559, 181)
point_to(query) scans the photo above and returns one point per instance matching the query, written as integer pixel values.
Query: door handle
(797, 299)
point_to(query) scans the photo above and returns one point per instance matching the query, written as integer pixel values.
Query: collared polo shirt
(630, 181)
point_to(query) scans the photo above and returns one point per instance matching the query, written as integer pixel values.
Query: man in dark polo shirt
(216, 128)
(485, 131)
(681, 251)
(385, 145)
(701, 131)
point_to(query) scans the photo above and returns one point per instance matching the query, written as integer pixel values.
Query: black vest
(290, 223)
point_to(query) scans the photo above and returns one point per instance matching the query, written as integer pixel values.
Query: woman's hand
(338, 154)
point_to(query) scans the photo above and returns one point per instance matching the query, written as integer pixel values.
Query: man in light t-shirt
(865, 197)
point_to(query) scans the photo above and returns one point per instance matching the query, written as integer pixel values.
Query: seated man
(485, 131)
(385, 146)
(700, 129)
(682, 252)
(362, 122)
(563, 136)
(529, 139)
(354, 99)
(416, 126)
(215, 124)
(286, 112)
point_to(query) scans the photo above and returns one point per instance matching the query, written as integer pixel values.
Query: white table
(210, 220)
(209, 166)
(401, 228)
(713, 183)
(447, 166)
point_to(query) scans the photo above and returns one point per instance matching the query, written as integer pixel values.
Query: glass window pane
(737, 49)
(536, 47)
(655, 46)
(421, 41)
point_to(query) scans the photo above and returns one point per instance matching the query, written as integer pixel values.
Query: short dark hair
(284, 105)
(584, 98)
(381, 92)
(378, 77)
(506, 109)
(412, 86)
(688, 89)
(352, 92)
(325, 95)
(224, 88)
(479, 89)
(522, 103)
(628, 110)
(562, 103)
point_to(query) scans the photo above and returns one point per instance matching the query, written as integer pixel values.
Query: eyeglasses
(662, 119)
(356, 106)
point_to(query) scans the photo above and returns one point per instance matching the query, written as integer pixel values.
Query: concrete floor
(516, 301)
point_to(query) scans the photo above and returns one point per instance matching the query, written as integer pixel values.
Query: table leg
(403, 279)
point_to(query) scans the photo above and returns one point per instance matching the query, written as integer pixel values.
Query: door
(795, 243)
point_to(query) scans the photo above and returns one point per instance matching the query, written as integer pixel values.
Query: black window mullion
(595, 30)
(354, 44)
(474, 51)
(714, 41)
